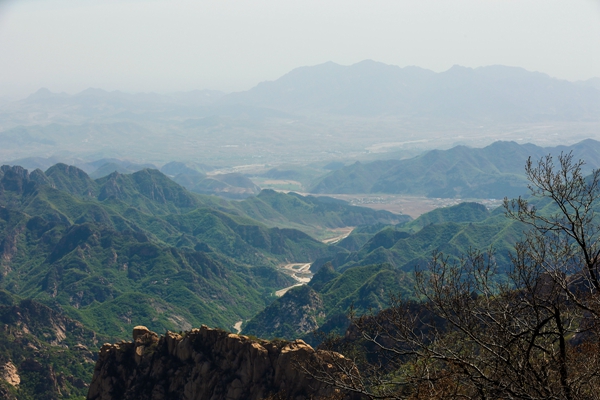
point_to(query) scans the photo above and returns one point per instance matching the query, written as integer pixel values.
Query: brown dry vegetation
(532, 336)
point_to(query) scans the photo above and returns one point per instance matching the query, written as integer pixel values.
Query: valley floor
(409, 205)
(300, 272)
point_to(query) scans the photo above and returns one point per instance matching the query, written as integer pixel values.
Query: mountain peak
(44, 94)
(93, 92)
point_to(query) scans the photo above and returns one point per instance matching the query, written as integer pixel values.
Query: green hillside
(463, 212)
(452, 238)
(495, 171)
(381, 266)
(83, 261)
(355, 178)
(326, 300)
(139, 249)
(312, 214)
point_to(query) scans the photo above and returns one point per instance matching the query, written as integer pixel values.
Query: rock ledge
(205, 363)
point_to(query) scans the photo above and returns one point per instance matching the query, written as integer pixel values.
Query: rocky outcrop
(9, 373)
(208, 364)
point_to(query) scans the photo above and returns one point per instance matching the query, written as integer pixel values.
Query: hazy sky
(177, 45)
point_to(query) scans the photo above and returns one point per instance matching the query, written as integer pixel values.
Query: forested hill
(382, 266)
(495, 171)
(139, 248)
(96, 257)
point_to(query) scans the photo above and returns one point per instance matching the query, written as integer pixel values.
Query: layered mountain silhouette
(381, 264)
(373, 88)
(315, 112)
(495, 171)
(367, 88)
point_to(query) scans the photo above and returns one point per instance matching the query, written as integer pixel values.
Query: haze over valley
(327, 200)
(322, 113)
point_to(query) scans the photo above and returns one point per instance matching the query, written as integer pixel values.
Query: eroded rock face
(205, 364)
(9, 373)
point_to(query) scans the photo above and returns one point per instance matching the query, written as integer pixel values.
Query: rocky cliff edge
(208, 364)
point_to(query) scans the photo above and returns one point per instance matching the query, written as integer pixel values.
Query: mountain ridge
(494, 171)
(372, 88)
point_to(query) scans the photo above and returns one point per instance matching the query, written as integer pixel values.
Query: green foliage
(300, 306)
(324, 275)
(364, 279)
(452, 230)
(463, 212)
(327, 299)
(139, 249)
(355, 178)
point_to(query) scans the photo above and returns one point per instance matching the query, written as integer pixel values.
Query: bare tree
(532, 335)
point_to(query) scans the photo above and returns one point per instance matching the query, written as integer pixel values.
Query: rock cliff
(207, 364)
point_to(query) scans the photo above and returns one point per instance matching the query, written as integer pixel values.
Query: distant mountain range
(495, 171)
(190, 175)
(367, 88)
(373, 88)
(325, 112)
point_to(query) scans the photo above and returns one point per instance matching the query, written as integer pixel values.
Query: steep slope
(324, 303)
(105, 255)
(463, 212)
(453, 239)
(143, 249)
(43, 354)
(364, 279)
(297, 313)
(355, 178)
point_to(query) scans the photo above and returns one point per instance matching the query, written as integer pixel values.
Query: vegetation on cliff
(364, 279)
(43, 354)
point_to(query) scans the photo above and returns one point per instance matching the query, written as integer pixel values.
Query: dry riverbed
(299, 271)
(238, 326)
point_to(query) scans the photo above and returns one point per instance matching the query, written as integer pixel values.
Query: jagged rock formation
(206, 364)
